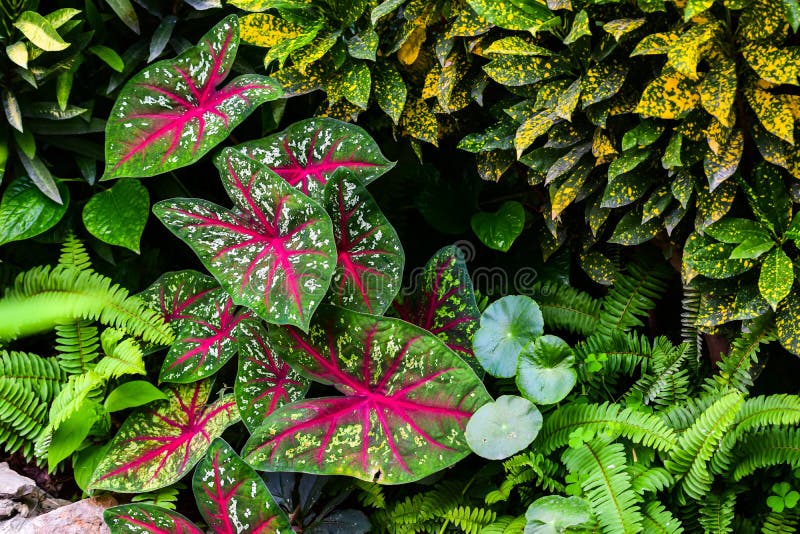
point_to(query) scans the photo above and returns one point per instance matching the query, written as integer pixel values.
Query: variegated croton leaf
(156, 446)
(232, 497)
(444, 303)
(264, 382)
(147, 519)
(308, 152)
(174, 111)
(407, 399)
(370, 263)
(206, 319)
(274, 253)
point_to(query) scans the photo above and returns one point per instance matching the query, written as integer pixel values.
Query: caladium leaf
(370, 265)
(173, 112)
(147, 519)
(445, 304)
(274, 253)
(307, 153)
(264, 382)
(407, 401)
(232, 497)
(156, 446)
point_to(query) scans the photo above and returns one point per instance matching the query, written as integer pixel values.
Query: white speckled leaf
(407, 399)
(370, 267)
(147, 519)
(232, 497)
(274, 253)
(173, 112)
(265, 382)
(307, 153)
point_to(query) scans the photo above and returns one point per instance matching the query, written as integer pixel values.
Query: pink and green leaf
(264, 382)
(407, 399)
(232, 497)
(274, 253)
(158, 445)
(444, 303)
(369, 270)
(147, 519)
(174, 111)
(307, 153)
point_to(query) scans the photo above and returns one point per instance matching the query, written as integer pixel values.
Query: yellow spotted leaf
(568, 100)
(773, 111)
(580, 27)
(719, 167)
(694, 7)
(602, 147)
(621, 27)
(409, 51)
(453, 70)
(521, 70)
(760, 20)
(684, 55)
(516, 45)
(776, 151)
(492, 165)
(713, 205)
(776, 278)
(523, 15)
(533, 128)
(776, 65)
(669, 97)
(717, 134)
(390, 90)
(787, 322)
(718, 90)
(656, 43)
(601, 82)
(314, 51)
(468, 24)
(419, 122)
(265, 30)
(564, 191)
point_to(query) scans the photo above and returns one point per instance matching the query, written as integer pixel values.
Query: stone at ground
(82, 517)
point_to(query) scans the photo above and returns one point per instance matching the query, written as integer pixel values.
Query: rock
(82, 517)
(14, 485)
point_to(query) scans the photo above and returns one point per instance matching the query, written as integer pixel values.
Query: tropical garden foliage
(404, 266)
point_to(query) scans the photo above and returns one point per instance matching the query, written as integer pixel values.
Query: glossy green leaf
(132, 395)
(18, 53)
(516, 45)
(752, 247)
(632, 231)
(512, 14)
(500, 229)
(546, 373)
(363, 45)
(504, 427)
(71, 432)
(719, 167)
(643, 134)
(506, 327)
(126, 13)
(524, 70)
(117, 216)
(792, 10)
(737, 230)
(776, 278)
(40, 32)
(712, 259)
(161, 37)
(26, 212)
(390, 90)
(621, 27)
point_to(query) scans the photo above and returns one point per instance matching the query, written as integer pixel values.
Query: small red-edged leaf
(407, 401)
(445, 304)
(275, 253)
(232, 497)
(147, 519)
(308, 152)
(370, 265)
(174, 111)
(156, 446)
(265, 382)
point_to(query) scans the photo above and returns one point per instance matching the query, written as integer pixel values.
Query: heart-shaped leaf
(407, 401)
(147, 519)
(370, 267)
(156, 446)
(26, 212)
(118, 215)
(307, 153)
(173, 112)
(274, 254)
(265, 382)
(232, 497)
(499, 230)
(502, 428)
(507, 325)
(545, 373)
(444, 303)
(176, 295)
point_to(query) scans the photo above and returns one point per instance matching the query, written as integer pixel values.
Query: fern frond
(506, 525)
(77, 344)
(123, 356)
(785, 522)
(73, 394)
(690, 333)
(21, 409)
(623, 353)
(44, 297)
(653, 479)
(688, 460)
(566, 308)
(370, 494)
(523, 469)
(735, 367)
(633, 295)
(658, 520)
(34, 373)
(765, 448)
(716, 512)
(606, 484)
(680, 417)
(74, 254)
(665, 383)
(470, 520)
(638, 427)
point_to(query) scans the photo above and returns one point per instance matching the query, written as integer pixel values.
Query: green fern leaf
(21, 409)
(665, 383)
(784, 522)
(735, 367)
(74, 254)
(716, 512)
(566, 308)
(765, 448)
(34, 373)
(123, 356)
(470, 520)
(658, 520)
(633, 295)
(77, 345)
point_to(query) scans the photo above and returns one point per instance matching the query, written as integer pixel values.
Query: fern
(34, 373)
(653, 479)
(122, 355)
(682, 416)
(784, 522)
(506, 525)
(766, 448)
(21, 409)
(44, 297)
(607, 485)
(690, 333)
(658, 520)
(74, 254)
(734, 368)
(633, 295)
(716, 512)
(566, 308)
(525, 468)
(689, 458)
(74, 393)
(77, 344)
(370, 494)
(470, 520)
(666, 384)
(622, 352)
(638, 427)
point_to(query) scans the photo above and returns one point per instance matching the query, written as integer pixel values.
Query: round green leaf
(545, 373)
(499, 230)
(504, 427)
(26, 212)
(777, 277)
(506, 327)
(554, 514)
(117, 216)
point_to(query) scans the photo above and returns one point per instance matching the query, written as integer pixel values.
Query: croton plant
(303, 267)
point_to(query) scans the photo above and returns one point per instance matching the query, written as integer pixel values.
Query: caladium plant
(174, 111)
(369, 270)
(156, 446)
(407, 399)
(205, 318)
(307, 153)
(444, 303)
(231, 496)
(274, 253)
